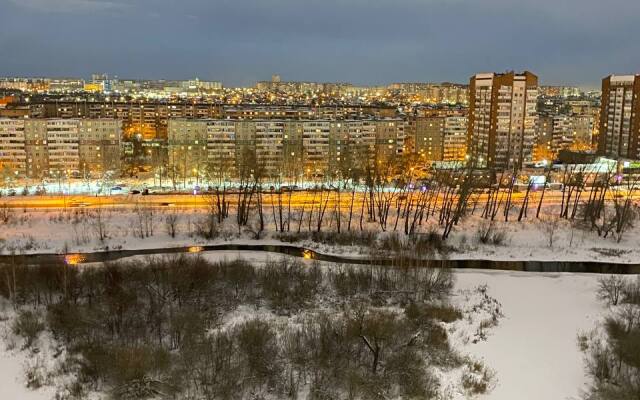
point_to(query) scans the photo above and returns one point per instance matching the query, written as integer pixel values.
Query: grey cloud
(362, 41)
(70, 6)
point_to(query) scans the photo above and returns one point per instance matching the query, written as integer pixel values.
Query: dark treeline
(185, 328)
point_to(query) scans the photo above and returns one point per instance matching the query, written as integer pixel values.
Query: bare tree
(611, 288)
(550, 225)
(145, 220)
(100, 223)
(171, 224)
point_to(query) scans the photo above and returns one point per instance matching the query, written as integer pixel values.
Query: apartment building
(36, 147)
(427, 136)
(502, 119)
(52, 147)
(269, 136)
(150, 119)
(282, 148)
(438, 138)
(99, 145)
(571, 132)
(63, 146)
(221, 148)
(454, 139)
(620, 117)
(187, 149)
(60, 147)
(13, 157)
(315, 145)
(543, 149)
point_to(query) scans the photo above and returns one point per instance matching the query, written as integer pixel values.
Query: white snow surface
(14, 362)
(534, 349)
(12, 381)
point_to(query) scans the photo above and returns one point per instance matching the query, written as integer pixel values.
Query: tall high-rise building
(502, 119)
(620, 117)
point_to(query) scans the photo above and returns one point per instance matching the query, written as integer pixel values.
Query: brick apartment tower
(620, 117)
(502, 119)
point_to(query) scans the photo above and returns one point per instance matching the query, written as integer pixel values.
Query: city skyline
(364, 43)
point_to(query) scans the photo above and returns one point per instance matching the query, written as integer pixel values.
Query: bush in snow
(612, 353)
(28, 324)
(172, 328)
(613, 361)
(487, 234)
(611, 288)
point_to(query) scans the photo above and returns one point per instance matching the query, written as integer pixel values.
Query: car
(12, 192)
(135, 191)
(116, 189)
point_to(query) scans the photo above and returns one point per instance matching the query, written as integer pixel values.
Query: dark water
(296, 251)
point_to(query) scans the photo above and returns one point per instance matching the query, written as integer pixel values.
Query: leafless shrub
(208, 225)
(35, 373)
(100, 222)
(171, 224)
(611, 358)
(550, 226)
(144, 227)
(487, 234)
(631, 292)
(28, 324)
(477, 378)
(611, 288)
(6, 214)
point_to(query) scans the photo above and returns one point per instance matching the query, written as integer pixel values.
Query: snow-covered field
(12, 379)
(533, 350)
(14, 363)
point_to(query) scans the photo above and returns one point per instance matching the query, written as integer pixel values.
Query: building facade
(427, 137)
(276, 149)
(454, 139)
(620, 117)
(13, 156)
(571, 132)
(40, 148)
(502, 119)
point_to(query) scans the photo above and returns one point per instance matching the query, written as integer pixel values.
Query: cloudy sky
(359, 41)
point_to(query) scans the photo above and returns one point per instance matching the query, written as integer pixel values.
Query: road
(298, 199)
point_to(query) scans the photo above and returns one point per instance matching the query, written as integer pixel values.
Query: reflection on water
(74, 259)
